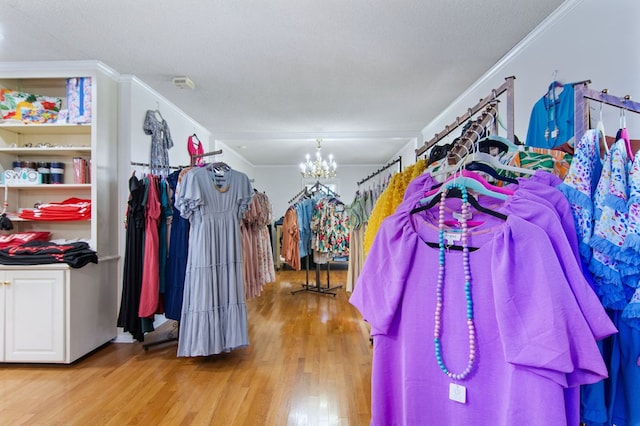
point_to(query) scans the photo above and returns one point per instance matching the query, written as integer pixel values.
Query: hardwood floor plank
(308, 363)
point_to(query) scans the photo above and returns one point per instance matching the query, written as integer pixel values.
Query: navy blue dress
(177, 261)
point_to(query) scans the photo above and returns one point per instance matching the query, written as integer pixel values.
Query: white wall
(233, 159)
(583, 40)
(137, 100)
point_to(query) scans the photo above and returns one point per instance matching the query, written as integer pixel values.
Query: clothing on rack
(397, 292)
(149, 212)
(150, 289)
(552, 117)
(178, 251)
(390, 199)
(128, 317)
(290, 249)
(359, 212)
(161, 142)
(196, 150)
(214, 314)
(257, 253)
(603, 194)
(329, 229)
(304, 212)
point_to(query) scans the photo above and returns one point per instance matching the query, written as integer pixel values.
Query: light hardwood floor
(308, 363)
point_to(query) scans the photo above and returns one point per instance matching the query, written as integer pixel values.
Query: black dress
(132, 274)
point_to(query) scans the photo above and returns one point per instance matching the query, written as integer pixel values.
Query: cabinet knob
(7, 283)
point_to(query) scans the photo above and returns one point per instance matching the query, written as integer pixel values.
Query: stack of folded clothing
(76, 254)
(19, 238)
(69, 209)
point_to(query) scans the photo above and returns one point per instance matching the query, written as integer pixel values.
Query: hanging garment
(514, 331)
(214, 314)
(161, 142)
(177, 260)
(290, 250)
(194, 147)
(128, 317)
(256, 246)
(552, 116)
(150, 289)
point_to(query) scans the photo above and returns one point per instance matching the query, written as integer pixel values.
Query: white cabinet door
(34, 316)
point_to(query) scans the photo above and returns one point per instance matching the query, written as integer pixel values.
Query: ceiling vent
(183, 82)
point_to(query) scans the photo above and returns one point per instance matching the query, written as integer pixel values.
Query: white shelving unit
(55, 313)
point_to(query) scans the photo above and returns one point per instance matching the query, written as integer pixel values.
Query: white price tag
(457, 393)
(452, 237)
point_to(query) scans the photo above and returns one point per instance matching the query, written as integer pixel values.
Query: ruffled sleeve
(245, 192)
(189, 196)
(578, 188)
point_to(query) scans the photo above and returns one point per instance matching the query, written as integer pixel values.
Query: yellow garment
(390, 199)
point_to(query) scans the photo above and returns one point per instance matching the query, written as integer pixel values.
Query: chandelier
(319, 168)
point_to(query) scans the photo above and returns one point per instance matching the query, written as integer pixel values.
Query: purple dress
(533, 339)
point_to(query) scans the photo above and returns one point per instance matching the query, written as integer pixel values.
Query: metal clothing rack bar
(317, 186)
(135, 163)
(206, 154)
(466, 143)
(381, 169)
(507, 86)
(172, 336)
(303, 191)
(317, 288)
(583, 94)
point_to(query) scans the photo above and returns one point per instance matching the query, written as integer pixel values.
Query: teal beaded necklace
(467, 285)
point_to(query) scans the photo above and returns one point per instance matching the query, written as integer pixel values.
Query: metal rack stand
(317, 288)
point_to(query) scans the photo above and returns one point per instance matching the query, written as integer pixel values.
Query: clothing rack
(324, 188)
(303, 191)
(582, 95)
(206, 154)
(381, 169)
(507, 87)
(172, 336)
(467, 141)
(135, 163)
(317, 187)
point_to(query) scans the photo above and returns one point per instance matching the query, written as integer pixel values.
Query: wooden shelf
(53, 186)
(13, 217)
(46, 129)
(57, 150)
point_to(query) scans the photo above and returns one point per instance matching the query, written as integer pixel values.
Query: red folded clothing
(69, 209)
(19, 238)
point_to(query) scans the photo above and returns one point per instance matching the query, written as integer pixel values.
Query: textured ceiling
(365, 75)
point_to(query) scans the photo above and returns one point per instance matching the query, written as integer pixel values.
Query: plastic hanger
(624, 133)
(493, 161)
(485, 168)
(601, 132)
(430, 202)
(473, 182)
(495, 141)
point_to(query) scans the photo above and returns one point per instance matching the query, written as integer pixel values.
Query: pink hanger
(624, 133)
(475, 176)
